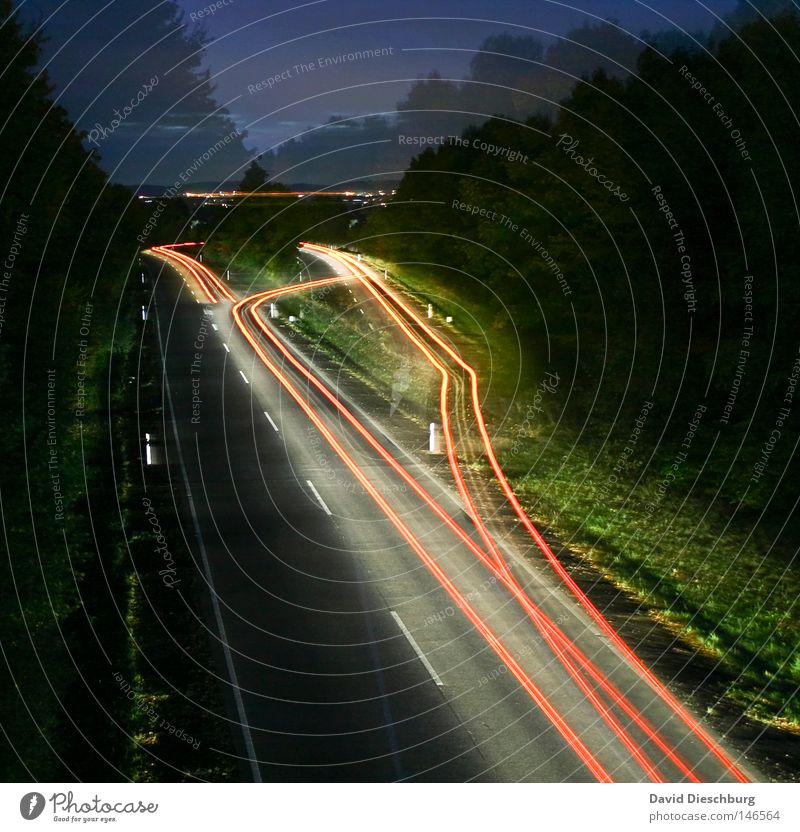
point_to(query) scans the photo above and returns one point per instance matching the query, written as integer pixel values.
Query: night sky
(100, 55)
(249, 44)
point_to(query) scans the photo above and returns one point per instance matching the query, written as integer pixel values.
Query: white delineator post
(430, 310)
(434, 440)
(273, 311)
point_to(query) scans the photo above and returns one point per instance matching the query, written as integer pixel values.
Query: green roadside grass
(248, 274)
(336, 329)
(725, 594)
(369, 354)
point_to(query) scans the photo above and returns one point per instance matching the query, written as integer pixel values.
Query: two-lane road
(369, 637)
(317, 607)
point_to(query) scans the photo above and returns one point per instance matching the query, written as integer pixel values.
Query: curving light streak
(575, 742)
(173, 257)
(559, 643)
(194, 266)
(586, 602)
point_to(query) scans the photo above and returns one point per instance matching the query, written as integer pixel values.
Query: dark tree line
(70, 299)
(59, 233)
(637, 229)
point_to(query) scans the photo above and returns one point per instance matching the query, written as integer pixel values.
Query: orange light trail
(273, 194)
(544, 547)
(598, 771)
(560, 644)
(194, 266)
(190, 267)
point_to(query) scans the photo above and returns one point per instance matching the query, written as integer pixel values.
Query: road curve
(525, 646)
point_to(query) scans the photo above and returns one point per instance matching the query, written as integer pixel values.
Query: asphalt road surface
(343, 655)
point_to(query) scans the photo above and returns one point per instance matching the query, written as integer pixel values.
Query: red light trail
(571, 657)
(569, 735)
(544, 547)
(197, 269)
(556, 639)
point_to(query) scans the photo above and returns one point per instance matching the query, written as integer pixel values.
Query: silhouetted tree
(146, 57)
(255, 178)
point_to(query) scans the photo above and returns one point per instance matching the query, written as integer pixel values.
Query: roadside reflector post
(434, 440)
(228, 275)
(449, 319)
(359, 258)
(200, 256)
(430, 310)
(144, 313)
(273, 311)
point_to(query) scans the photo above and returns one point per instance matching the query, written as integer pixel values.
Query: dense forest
(68, 245)
(721, 177)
